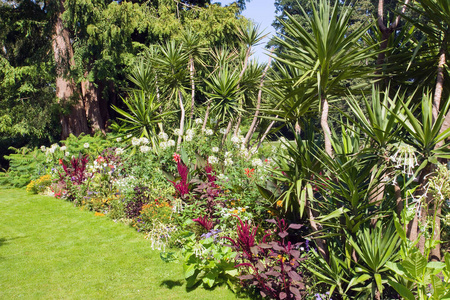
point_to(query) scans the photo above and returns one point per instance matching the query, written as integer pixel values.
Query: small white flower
(188, 138)
(43, 148)
(163, 145)
(144, 149)
(223, 130)
(190, 132)
(119, 151)
(143, 140)
(67, 153)
(128, 136)
(228, 161)
(135, 141)
(302, 249)
(198, 121)
(170, 143)
(254, 150)
(235, 139)
(228, 154)
(177, 132)
(86, 145)
(215, 149)
(256, 162)
(209, 131)
(162, 135)
(63, 148)
(213, 160)
(119, 139)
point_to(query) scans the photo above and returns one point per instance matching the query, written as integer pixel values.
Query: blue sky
(262, 12)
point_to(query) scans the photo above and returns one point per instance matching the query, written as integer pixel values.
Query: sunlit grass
(50, 249)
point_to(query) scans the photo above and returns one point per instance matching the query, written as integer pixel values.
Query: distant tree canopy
(64, 62)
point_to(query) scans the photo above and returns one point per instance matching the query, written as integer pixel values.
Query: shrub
(40, 185)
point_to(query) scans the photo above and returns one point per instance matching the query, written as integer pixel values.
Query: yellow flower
(279, 203)
(232, 203)
(98, 214)
(243, 209)
(235, 211)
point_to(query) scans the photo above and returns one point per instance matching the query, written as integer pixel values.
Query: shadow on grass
(171, 283)
(3, 241)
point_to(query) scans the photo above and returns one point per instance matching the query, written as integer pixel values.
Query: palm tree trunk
(226, 132)
(258, 104)
(321, 245)
(205, 121)
(325, 127)
(180, 137)
(191, 74)
(266, 132)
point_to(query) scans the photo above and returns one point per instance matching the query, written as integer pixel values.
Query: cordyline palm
(224, 93)
(194, 45)
(250, 36)
(142, 116)
(328, 54)
(171, 65)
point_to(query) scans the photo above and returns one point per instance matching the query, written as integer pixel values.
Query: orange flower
(249, 172)
(243, 209)
(279, 203)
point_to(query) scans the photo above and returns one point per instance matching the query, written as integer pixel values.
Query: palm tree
(328, 54)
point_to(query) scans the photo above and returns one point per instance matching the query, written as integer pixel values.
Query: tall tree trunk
(205, 121)
(385, 33)
(226, 132)
(180, 137)
(258, 103)
(90, 96)
(321, 244)
(75, 122)
(325, 128)
(436, 252)
(266, 132)
(192, 74)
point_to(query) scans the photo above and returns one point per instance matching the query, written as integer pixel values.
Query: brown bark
(439, 79)
(386, 32)
(75, 122)
(89, 93)
(226, 132)
(191, 74)
(266, 133)
(183, 113)
(247, 55)
(325, 127)
(398, 200)
(205, 121)
(258, 103)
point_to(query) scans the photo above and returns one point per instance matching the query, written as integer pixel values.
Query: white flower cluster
(215, 149)
(119, 151)
(144, 148)
(51, 150)
(198, 121)
(86, 145)
(405, 157)
(119, 139)
(163, 136)
(222, 130)
(256, 162)
(190, 133)
(168, 144)
(213, 160)
(141, 141)
(208, 131)
(177, 132)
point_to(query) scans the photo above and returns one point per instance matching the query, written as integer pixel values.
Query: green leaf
(189, 271)
(402, 290)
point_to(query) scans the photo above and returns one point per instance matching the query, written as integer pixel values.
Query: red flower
(249, 172)
(60, 161)
(176, 157)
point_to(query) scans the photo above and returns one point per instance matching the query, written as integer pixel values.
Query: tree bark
(180, 137)
(90, 96)
(75, 122)
(205, 121)
(191, 74)
(325, 127)
(266, 132)
(258, 103)
(321, 244)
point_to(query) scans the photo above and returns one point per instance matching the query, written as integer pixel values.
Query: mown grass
(50, 249)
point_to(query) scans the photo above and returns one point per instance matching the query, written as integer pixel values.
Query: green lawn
(50, 249)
